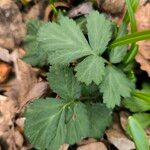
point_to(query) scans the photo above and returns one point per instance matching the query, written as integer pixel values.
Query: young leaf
(135, 104)
(143, 119)
(99, 31)
(131, 38)
(138, 134)
(64, 41)
(50, 123)
(34, 56)
(100, 118)
(90, 69)
(115, 85)
(118, 53)
(63, 82)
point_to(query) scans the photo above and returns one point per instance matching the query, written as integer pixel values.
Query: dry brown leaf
(119, 140)
(93, 146)
(81, 9)
(113, 6)
(18, 138)
(5, 69)
(4, 55)
(12, 29)
(143, 23)
(64, 147)
(35, 12)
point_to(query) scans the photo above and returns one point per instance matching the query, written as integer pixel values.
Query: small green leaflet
(115, 85)
(65, 42)
(99, 31)
(118, 53)
(35, 55)
(90, 69)
(63, 82)
(100, 117)
(66, 37)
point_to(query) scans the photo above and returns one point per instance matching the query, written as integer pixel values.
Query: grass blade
(131, 38)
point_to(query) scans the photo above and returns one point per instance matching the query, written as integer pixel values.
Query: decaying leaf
(82, 9)
(36, 12)
(143, 23)
(93, 146)
(119, 140)
(4, 71)
(12, 29)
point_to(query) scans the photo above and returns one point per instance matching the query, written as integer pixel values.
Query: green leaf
(131, 16)
(63, 82)
(50, 123)
(117, 54)
(115, 85)
(100, 118)
(143, 119)
(135, 104)
(34, 56)
(99, 31)
(90, 69)
(65, 41)
(138, 134)
(131, 38)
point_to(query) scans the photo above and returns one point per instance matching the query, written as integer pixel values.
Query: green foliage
(143, 119)
(66, 85)
(65, 120)
(87, 69)
(139, 101)
(115, 85)
(35, 55)
(138, 134)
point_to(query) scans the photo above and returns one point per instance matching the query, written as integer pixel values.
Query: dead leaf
(82, 9)
(113, 6)
(93, 146)
(123, 119)
(18, 139)
(64, 147)
(143, 23)
(35, 12)
(87, 141)
(12, 29)
(5, 69)
(119, 140)
(4, 55)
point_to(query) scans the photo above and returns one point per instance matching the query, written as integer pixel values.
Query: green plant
(79, 65)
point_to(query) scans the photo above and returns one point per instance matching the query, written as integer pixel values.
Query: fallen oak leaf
(143, 23)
